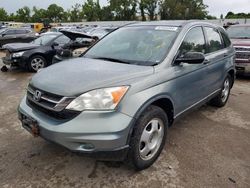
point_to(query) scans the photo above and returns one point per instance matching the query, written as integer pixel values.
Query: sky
(216, 7)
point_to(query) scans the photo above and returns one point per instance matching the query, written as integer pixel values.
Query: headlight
(18, 54)
(100, 99)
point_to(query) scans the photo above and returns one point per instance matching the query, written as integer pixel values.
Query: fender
(143, 107)
(234, 76)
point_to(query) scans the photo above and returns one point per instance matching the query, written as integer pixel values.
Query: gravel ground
(208, 148)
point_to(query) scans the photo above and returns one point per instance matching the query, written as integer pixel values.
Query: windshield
(239, 32)
(142, 45)
(44, 39)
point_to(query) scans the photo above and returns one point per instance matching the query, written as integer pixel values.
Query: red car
(240, 37)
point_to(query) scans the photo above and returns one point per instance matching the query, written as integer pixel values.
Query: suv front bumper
(106, 132)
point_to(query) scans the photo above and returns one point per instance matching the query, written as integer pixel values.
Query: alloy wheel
(37, 63)
(225, 91)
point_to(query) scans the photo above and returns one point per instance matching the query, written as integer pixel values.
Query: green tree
(124, 10)
(23, 14)
(148, 7)
(92, 10)
(75, 14)
(183, 9)
(231, 15)
(56, 13)
(11, 17)
(210, 17)
(3, 15)
(38, 14)
(106, 14)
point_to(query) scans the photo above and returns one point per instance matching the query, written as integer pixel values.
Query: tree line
(115, 10)
(231, 15)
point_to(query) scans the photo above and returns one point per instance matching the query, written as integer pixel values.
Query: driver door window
(193, 42)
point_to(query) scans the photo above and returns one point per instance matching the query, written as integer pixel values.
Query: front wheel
(221, 99)
(37, 62)
(148, 138)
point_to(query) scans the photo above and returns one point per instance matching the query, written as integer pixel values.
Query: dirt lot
(208, 148)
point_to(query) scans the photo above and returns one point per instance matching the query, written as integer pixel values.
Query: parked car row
(239, 35)
(49, 48)
(10, 35)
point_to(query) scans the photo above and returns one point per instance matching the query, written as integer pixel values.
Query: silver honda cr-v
(117, 101)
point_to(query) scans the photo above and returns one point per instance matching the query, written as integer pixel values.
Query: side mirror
(3, 35)
(191, 58)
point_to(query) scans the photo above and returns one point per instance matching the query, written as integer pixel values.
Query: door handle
(224, 55)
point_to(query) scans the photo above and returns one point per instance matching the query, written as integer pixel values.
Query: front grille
(242, 52)
(243, 55)
(62, 115)
(50, 104)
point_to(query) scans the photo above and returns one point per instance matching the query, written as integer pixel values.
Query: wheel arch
(232, 73)
(163, 101)
(28, 61)
(38, 54)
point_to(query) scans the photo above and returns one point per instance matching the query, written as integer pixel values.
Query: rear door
(217, 57)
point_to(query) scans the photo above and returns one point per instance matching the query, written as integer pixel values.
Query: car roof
(176, 23)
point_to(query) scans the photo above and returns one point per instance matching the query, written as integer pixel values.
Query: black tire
(33, 58)
(134, 157)
(219, 100)
(4, 68)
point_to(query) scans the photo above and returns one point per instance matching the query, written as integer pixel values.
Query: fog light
(88, 147)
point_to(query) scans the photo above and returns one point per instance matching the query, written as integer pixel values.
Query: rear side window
(193, 42)
(226, 39)
(214, 40)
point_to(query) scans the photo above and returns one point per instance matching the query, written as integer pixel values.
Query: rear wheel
(37, 62)
(221, 99)
(148, 138)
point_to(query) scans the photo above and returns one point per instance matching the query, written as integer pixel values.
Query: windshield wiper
(112, 59)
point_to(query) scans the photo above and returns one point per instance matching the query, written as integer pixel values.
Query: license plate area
(30, 125)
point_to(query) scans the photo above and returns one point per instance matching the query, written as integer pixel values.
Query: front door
(190, 79)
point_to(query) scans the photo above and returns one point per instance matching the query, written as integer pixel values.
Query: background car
(58, 29)
(240, 37)
(79, 43)
(10, 35)
(36, 54)
(100, 32)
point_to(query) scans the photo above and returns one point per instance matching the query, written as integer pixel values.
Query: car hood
(76, 76)
(241, 42)
(15, 47)
(73, 35)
